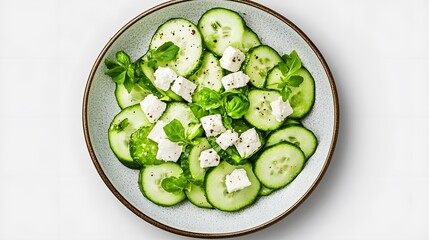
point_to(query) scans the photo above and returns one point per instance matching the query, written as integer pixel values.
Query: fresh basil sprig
(166, 52)
(122, 70)
(176, 184)
(289, 67)
(177, 133)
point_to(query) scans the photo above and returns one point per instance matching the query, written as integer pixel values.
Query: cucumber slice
(302, 98)
(209, 75)
(221, 28)
(192, 163)
(148, 72)
(119, 138)
(197, 196)
(150, 183)
(181, 112)
(260, 113)
(126, 99)
(265, 191)
(250, 40)
(186, 36)
(259, 61)
(142, 149)
(297, 135)
(279, 165)
(217, 193)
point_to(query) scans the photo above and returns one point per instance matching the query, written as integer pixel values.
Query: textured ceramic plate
(99, 108)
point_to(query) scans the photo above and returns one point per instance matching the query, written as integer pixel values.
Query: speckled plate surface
(99, 108)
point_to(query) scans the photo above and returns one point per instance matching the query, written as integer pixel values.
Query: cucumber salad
(211, 114)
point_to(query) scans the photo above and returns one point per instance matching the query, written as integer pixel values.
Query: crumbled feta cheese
(168, 151)
(184, 88)
(235, 80)
(209, 158)
(157, 133)
(248, 143)
(152, 107)
(226, 139)
(164, 76)
(281, 109)
(232, 59)
(212, 125)
(237, 180)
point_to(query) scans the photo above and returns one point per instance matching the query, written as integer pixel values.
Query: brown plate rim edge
(209, 235)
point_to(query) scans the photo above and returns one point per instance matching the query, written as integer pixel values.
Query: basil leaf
(175, 184)
(282, 85)
(285, 93)
(236, 107)
(128, 84)
(207, 99)
(123, 58)
(130, 73)
(227, 122)
(114, 71)
(166, 52)
(294, 63)
(120, 78)
(175, 131)
(295, 81)
(198, 111)
(283, 68)
(110, 64)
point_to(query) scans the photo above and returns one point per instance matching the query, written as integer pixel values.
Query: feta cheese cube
(157, 133)
(152, 107)
(209, 158)
(281, 109)
(168, 151)
(184, 88)
(164, 76)
(248, 143)
(235, 80)
(212, 125)
(237, 180)
(226, 139)
(232, 59)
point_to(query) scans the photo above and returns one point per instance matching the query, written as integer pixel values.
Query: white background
(377, 186)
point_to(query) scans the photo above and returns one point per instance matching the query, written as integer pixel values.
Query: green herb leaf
(197, 110)
(175, 184)
(110, 63)
(130, 73)
(282, 84)
(120, 78)
(166, 52)
(128, 84)
(123, 58)
(227, 122)
(295, 81)
(236, 106)
(294, 63)
(283, 68)
(208, 99)
(175, 131)
(285, 93)
(114, 71)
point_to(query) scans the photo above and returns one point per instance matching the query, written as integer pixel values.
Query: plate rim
(152, 221)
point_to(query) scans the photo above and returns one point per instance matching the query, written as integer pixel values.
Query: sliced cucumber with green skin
(126, 99)
(216, 190)
(279, 165)
(209, 75)
(186, 36)
(265, 191)
(181, 112)
(297, 135)
(291, 122)
(221, 28)
(150, 183)
(302, 98)
(196, 172)
(142, 149)
(260, 114)
(259, 61)
(250, 40)
(148, 72)
(197, 196)
(119, 138)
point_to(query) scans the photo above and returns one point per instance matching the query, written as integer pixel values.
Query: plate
(99, 108)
